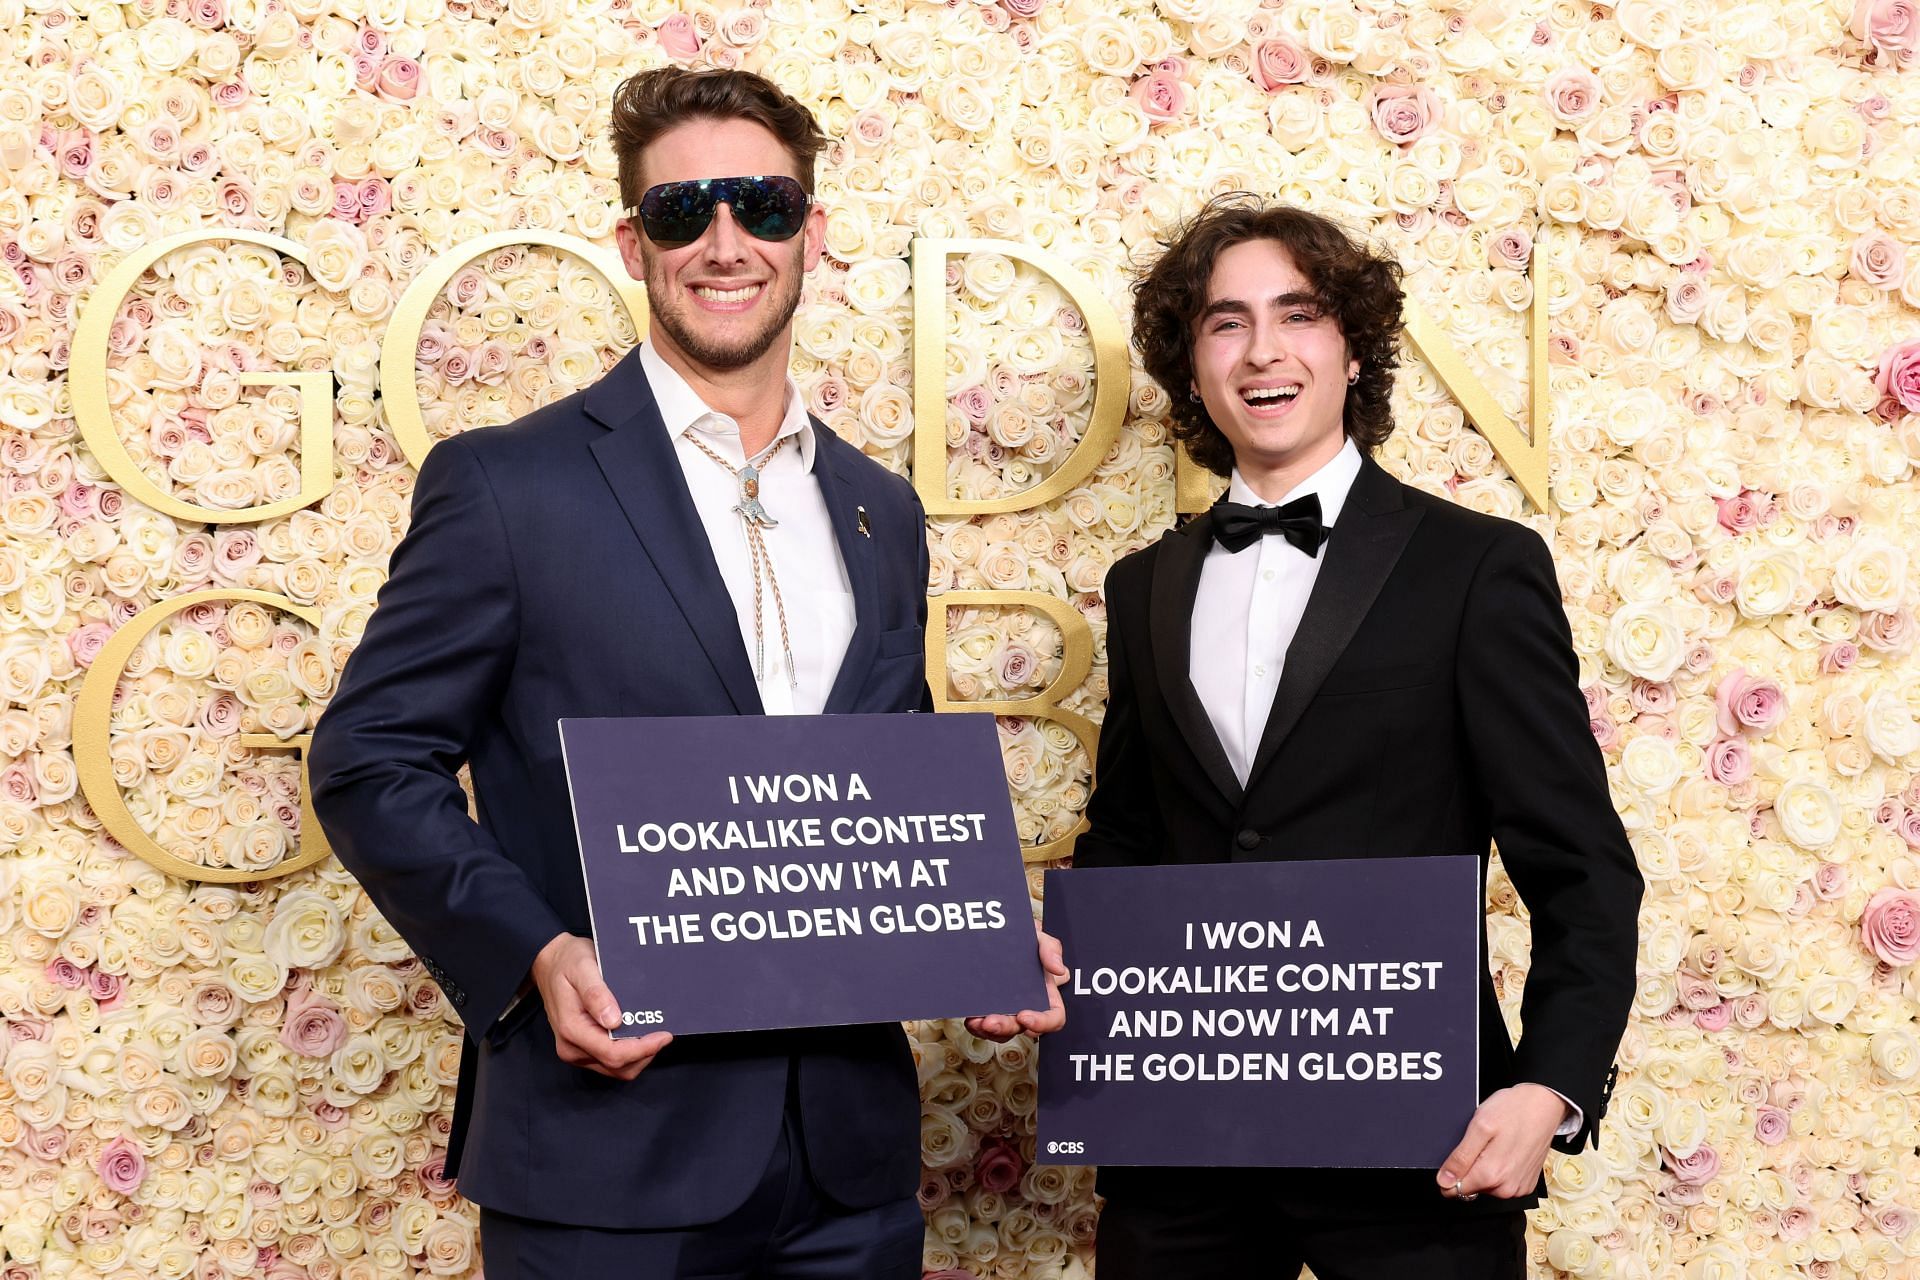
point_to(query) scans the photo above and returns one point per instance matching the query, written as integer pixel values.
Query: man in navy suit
(679, 539)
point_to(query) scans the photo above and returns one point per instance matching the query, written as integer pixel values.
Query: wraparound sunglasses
(766, 207)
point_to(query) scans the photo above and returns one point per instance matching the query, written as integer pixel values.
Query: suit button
(1248, 839)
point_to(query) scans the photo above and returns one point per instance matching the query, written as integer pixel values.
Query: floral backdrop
(255, 1078)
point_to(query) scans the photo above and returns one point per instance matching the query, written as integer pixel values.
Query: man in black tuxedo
(1334, 665)
(679, 539)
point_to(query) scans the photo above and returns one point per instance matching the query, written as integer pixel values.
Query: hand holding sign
(583, 1013)
(1002, 1027)
(1506, 1144)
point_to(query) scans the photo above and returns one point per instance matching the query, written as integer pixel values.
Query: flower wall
(255, 1078)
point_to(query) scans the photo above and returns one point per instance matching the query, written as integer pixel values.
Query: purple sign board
(1300, 1014)
(753, 872)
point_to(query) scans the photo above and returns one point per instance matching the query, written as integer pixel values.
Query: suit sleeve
(386, 754)
(1123, 813)
(1545, 786)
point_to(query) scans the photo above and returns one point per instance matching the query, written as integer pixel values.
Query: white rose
(1890, 727)
(306, 931)
(1808, 813)
(1872, 575)
(1651, 765)
(1644, 640)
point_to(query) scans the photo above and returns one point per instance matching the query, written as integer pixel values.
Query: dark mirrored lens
(766, 208)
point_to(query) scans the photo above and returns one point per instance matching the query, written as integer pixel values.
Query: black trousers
(786, 1230)
(1225, 1224)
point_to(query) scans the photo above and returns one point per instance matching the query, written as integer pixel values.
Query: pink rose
(1160, 96)
(1404, 112)
(975, 404)
(1279, 61)
(399, 79)
(371, 41)
(1837, 656)
(1714, 1019)
(1696, 1168)
(1890, 926)
(1891, 26)
(678, 37)
(1879, 260)
(1830, 881)
(366, 71)
(1887, 632)
(1770, 1125)
(1023, 8)
(1745, 511)
(313, 1025)
(1729, 762)
(85, 641)
(1898, 378)
(346, 200)
(1687, 299)
(376, 198)
(1573, 96)
(998, 1168)
(1510, 249)
(121, 1166)
(62, 972)
(1745, 703)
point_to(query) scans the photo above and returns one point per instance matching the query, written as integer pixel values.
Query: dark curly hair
(649, 103)
(1358, 288)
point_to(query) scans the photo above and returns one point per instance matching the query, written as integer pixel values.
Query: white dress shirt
(1247, 608)
(805, 555)
(1245, 613)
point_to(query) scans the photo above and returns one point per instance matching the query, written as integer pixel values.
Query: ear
(815, 235)
(632, 252)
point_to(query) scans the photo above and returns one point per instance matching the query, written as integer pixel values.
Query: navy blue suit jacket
(556, 567)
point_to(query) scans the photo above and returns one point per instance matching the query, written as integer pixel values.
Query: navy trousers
(786, 1230)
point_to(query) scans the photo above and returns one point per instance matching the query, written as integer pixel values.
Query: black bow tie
(1237, 527)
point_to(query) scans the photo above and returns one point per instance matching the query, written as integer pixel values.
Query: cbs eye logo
(1066, 1148)
(641, 1018)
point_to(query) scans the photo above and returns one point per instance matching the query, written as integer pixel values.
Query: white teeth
(727, 295)
(1257, 394)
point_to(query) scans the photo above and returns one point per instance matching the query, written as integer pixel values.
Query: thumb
(598, 1000)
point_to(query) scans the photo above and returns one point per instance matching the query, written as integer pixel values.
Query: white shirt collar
(1332, 482)
(681, 407)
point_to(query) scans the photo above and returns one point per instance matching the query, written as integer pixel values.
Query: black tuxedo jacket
(1429, 705)
(557, 567)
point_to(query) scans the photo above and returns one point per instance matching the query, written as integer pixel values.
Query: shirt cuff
(1576, 1118)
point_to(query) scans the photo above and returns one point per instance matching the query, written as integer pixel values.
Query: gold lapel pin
(860, 522)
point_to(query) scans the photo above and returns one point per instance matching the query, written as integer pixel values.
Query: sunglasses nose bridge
(725, 237)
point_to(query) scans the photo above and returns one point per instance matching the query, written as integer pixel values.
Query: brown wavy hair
(1358, 288)
(653, 102)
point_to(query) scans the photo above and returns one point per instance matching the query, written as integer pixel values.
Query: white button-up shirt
(805, 555)
(1247, 608)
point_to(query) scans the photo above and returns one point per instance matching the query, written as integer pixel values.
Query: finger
(1462, 1157)
(997, 1027)
(595, 998)
(1052, 959)
(619, 1055)
(1052, 1019)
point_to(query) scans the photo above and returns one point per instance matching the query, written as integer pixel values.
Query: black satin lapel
(1176, 581)
(842, 494)
(639, 463)
(1360, 555)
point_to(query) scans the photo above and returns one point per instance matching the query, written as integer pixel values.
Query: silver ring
(1468, 1195)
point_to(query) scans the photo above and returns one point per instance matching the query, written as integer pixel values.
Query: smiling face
(726, 300)
(1271, 366)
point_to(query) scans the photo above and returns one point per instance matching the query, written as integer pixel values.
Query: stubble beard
(672, 317)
